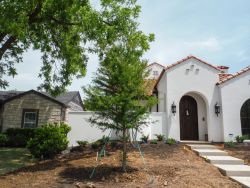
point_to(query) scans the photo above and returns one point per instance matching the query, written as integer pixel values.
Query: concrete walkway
(229, 166)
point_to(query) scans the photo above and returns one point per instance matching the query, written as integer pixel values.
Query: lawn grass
(14, 158)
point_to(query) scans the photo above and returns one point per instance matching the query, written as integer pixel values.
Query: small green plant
(153, 141)
(82, 143)
(229, 144)
(171, 141)
(3, 140)
(240, 139)
(160, 137)
(144, 138)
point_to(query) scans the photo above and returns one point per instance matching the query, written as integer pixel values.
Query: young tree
(62, 30)
(118, 94)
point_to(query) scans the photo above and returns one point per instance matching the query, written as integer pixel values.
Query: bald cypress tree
(118, 92)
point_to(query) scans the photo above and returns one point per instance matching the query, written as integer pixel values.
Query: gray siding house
(30, 109)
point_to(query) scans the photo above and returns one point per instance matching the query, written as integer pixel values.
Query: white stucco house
(201, 101)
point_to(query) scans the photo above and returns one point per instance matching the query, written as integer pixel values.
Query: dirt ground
(167, 166)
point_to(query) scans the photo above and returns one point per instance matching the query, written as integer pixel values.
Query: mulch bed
(240, 151)
(166, 166)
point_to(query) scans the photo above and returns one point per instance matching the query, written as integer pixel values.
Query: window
(155, 73)
(245, 118)
(30, 118)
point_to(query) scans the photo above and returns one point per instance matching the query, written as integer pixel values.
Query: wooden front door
(188, 119)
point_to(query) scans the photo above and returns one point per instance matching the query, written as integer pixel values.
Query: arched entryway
(245, 118)
(188, 118)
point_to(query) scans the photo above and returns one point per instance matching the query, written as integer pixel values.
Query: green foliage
(144, 138)
(240, 139)
(113, 144)
(171, 141)
(49, 140)
(62, 32)
(229, 144)
(160, 137)
(3, 139)
(153, 141)
(104, 140)
(82, 143)
(19, 137)
(95, 145)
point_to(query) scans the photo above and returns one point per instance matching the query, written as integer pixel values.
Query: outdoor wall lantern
(173, 108)
(217, 109)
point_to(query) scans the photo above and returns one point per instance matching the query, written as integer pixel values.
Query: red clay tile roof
(224, 76)
(234, 75)
(223, 67)
(191, 57)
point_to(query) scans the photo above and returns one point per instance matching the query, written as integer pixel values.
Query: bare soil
(166, 166)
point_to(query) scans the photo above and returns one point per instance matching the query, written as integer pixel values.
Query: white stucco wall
(154, 67)
(81, 129)
(233, 95)
(199, 79)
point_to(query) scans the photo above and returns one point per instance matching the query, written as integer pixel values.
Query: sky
(217, 31)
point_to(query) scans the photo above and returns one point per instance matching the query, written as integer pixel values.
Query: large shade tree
(118, 93)
(65, 31)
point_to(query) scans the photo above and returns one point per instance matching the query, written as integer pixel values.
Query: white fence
(81, 129)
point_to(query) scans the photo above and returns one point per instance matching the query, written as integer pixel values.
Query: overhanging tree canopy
(62, 30)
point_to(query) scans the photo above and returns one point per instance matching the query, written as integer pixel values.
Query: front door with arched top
(188, 119)
(245, 118)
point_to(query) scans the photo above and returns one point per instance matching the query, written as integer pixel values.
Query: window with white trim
(30, 118)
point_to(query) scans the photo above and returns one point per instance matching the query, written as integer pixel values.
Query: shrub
(82, 143)
(229, 144)
(144, 138)
(113, 144)
(153, 141)
(49, 140)
(3, 139)
(240, 139)
(160, 137)
(170, 141)
(19, 137)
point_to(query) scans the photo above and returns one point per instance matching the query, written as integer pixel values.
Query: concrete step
(201, 146)
(245, 181)
(194, 142)
(234, 170)
(210, 152)
(223, 160)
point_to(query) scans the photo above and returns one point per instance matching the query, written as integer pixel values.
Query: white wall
(154, 67)
(201, 79)
(81, 129)
(233, 95)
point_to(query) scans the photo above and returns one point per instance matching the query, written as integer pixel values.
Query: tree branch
(37, 10)
(6, 45)
(2, 35)
(61, 22)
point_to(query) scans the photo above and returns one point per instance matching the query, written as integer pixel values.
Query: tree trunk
(124, 153)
